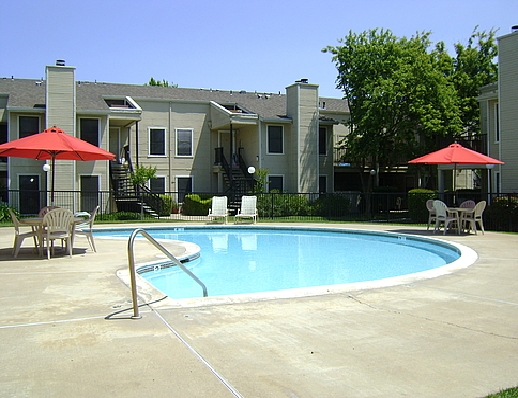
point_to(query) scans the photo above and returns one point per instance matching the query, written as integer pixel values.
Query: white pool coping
(149, 294)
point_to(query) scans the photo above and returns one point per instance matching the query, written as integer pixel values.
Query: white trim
(149, 128)
(276, 175)
(268, 140)
(176, 142)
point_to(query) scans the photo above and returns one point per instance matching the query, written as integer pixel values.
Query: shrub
(332, 205)
(417, 204)
(502, 214)
(277, 204)
(4, 212)
(196, 205)
(166, 206)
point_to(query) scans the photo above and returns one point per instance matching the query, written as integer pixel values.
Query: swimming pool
(249, 259)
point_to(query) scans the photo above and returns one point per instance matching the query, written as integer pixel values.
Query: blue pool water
(250, 260)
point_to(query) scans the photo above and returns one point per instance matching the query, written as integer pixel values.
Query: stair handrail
(133, 272)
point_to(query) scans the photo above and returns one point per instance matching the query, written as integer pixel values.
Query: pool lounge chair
(248, 209)
(219, 209)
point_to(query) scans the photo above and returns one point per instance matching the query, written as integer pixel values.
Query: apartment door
(29, 193)
(115, 143)
(89, 192)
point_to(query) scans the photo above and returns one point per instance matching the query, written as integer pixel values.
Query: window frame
(496, 122)
(268, 142)
(38, 129)
(322, 134)
(177, 141)
(281, 176)
(164, 186)
(150, 130)
(98, 143)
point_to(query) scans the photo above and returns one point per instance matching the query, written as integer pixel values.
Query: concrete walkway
(66, 331)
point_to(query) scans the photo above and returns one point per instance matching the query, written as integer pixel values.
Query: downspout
(136, 144)
(298, 140)
(171, 154)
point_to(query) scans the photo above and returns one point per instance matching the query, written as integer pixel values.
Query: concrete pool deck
(65, 331)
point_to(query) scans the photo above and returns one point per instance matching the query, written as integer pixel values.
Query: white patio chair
(431, 213)
(20, 236)
(468, 204)
(58, 224)
(445, 217)
(44, 210)
(248, 209)
(219, 209)
(472, 218)
(86, 228)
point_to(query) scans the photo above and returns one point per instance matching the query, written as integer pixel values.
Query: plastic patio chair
(431, 213)
(58, 224)
(444, 217)
(248, 209)
(44, 210)
(474, 217)
(20, 236)
(468, 204)
(219, 208)
(86, 228)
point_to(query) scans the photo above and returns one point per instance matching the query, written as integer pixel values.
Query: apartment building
(499, 116)
(196, 138)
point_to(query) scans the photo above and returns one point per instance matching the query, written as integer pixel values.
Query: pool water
(251, 260)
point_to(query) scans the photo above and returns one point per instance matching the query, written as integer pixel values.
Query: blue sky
(246, 45)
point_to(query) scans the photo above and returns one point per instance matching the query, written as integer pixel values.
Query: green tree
(158, 83)
(396, 89)
(474, 66)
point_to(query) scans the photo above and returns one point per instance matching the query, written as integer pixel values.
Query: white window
(28, 125)
(89, 130)
(157, 185)
(275, 140)
(275, 183)
(496, 125)
(157, 141)
(184, 185)
(322, 141)
(184, 142)
(322, 183)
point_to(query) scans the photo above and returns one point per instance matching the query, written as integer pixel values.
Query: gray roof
(27, 93)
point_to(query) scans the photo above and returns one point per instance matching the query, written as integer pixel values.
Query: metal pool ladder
(133, 272)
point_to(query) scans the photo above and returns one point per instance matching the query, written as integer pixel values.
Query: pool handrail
(133, 272)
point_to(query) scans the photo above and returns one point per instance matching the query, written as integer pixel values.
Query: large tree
(400, 97)
(474, 66)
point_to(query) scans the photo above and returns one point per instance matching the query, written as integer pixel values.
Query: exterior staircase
(126, 197)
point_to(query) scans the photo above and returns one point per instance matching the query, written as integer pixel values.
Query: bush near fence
(501, 214)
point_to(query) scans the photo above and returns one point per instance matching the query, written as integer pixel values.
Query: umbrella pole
(454, 184)
(52, 181)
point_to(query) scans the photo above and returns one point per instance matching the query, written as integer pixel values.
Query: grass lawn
(509, 393)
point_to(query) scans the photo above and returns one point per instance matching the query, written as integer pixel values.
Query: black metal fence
(500, 214)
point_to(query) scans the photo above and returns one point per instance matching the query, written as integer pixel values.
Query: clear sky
(262, 45)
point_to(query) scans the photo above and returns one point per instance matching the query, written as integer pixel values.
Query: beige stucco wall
(508, 102)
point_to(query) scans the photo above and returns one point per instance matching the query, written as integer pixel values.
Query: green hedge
(196, 205)
(417, 209)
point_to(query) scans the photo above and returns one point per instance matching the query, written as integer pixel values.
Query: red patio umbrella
(455, 154)
(53, 143)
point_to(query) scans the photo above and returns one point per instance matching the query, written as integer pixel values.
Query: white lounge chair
(20, 236)
(219, 209)
(248, 209)
(445, 217)
(86, 228)
(58, 224)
